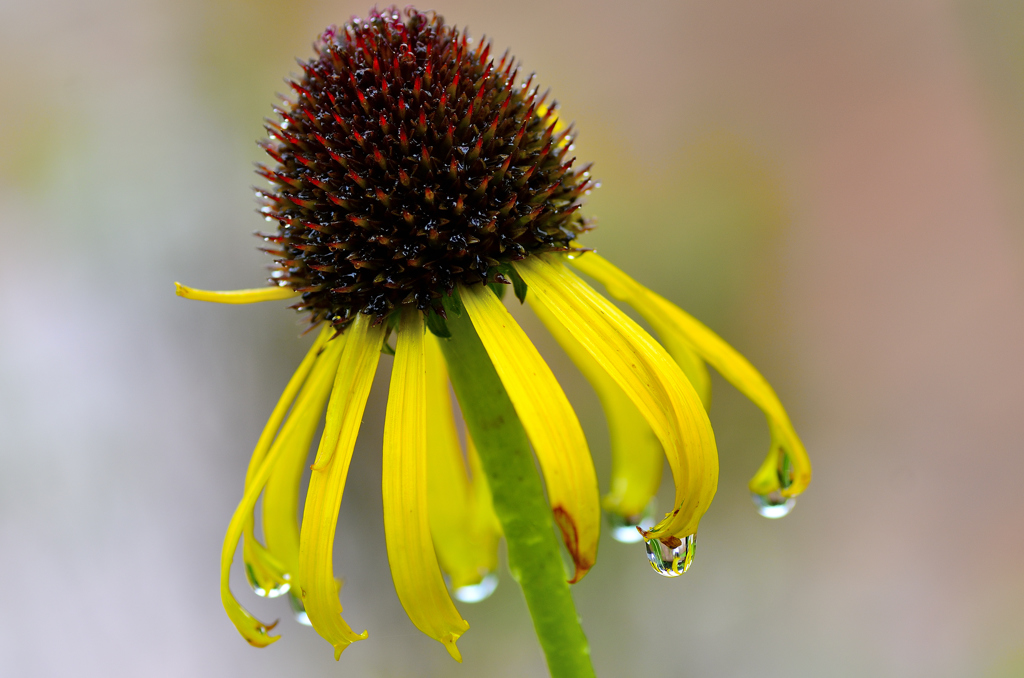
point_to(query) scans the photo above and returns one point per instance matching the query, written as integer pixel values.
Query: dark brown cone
(408, 162)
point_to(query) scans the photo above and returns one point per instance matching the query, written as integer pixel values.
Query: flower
(414, 181)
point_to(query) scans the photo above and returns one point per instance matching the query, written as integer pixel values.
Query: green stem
(518, 495)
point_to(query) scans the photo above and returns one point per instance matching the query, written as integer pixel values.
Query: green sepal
(509, 273)
(437, 325)
(519, 285)
(452, 303)
(391, 324)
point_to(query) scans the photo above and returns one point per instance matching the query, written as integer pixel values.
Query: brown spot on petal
(571, 538)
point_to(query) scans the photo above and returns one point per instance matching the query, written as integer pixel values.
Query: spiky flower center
(409, 161)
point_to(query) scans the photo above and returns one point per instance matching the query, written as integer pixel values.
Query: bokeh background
(835, 187)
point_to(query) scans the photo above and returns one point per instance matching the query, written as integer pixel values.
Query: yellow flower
(413, 181)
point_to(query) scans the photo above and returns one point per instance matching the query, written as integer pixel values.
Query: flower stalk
(534, 557)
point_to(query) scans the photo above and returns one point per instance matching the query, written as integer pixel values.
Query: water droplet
(261, 590)
(668, 561)
(773, 504)
(273, 592)
(624, 527)
(299, 611)
(474, 593)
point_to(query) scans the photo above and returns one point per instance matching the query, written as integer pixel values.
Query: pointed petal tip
(449, 644)
(263, 641)
(581, 571)
(257, 634)
(340, 647)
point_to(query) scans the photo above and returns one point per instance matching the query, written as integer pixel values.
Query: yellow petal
(252, 629)
(462, 521)
(264, 571)
(414, 567)
(281, 496)
(236, 296)
(647, 374)
(669, 320)
(637, 457)
(318, 587)
(549, 421)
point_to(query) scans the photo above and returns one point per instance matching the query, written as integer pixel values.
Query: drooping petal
(281, 496)
(319, 588)
(668, 320)
(265, 572)
(549, 421)
(319, 379)
(637, 457)
(647, 374)
(250, 296)
(414, 567)
(462, 521)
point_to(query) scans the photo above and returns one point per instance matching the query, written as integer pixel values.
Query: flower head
(413, 175)
(410, 161)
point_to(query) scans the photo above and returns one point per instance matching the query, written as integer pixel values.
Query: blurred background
(834, 187)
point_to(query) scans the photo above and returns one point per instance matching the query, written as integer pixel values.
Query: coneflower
(415, 177)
